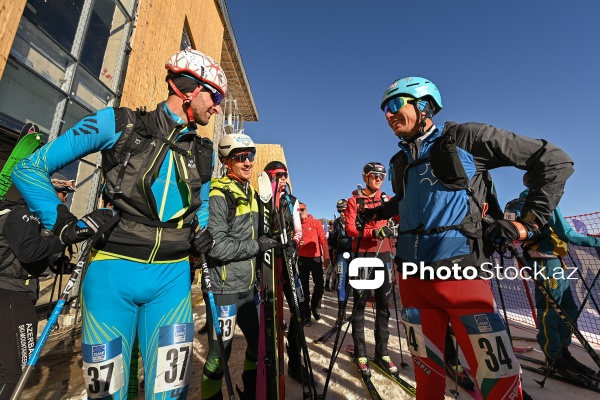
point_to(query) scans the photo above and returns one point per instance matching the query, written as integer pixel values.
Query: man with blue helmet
(440, 179)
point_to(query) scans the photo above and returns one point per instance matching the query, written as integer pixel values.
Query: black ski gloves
(74, 231)
(266, 243)
(383, 233)
(366, 215)
(203, 242)
(503, 232)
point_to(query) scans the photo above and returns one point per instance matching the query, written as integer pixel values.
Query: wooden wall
(265, 153)
(10, 15)
(157, 36)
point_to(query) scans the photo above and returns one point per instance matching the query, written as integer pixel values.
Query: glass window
(89, 92)
(101, 51)
(58, 18)
(73, 114)
(24, 97)
(36, 50)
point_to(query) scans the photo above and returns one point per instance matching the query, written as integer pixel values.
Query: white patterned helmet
(200, 66)
(235, 141)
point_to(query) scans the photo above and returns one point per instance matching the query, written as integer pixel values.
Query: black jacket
(25, 246)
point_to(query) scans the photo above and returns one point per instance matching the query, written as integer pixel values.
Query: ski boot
(363, 366)
(316, 314)
(326, 288)
(387, 365)
(563, 368)
(457, 374)
(579, 367)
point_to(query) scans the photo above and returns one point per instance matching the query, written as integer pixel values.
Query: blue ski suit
(138, 281)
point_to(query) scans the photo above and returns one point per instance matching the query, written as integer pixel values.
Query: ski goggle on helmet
(405, 90)
(341, 205)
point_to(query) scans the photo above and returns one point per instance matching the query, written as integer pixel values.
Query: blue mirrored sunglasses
(395, 104)
(241, 157)
(216, 96)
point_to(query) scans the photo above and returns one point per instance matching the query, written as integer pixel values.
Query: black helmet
(62, 184)
(373, 167)
(275, 165)
(341, 204)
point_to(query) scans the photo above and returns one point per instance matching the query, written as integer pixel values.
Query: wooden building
(63, 59)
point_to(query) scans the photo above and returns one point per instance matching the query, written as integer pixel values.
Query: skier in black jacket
(26, 250)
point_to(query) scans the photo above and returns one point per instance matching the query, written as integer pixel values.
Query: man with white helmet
(154, 165)
(234, 224)
(440, 178)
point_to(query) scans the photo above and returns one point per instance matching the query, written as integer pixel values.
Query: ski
(29, 140)
(473, 391)
(296, 295)
(525, 349)
(397, 379)
(278, 286)
(368, 384)
(267, 365)
(542, 371)
(544, 364)
(325, 337)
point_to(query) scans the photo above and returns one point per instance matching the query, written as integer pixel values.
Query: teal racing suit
(138, 280)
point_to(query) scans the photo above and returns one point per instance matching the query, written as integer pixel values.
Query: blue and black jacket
(153, 177)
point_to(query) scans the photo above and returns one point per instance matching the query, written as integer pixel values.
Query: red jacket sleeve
(350, 213)
(321, 236)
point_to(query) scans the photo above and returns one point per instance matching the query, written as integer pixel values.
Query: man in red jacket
(373, 241)
(313, 256)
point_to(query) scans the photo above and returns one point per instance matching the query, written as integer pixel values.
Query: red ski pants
(479, 330)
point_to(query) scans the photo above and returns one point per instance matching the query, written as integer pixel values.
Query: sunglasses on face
(215, 95)
(280, 175)
(241, 157)
(395, 104)
(302, 210)
(377, 175)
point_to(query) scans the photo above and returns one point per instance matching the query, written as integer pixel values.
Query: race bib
(173, 369)
(103, 370)
(491, 345)
(227, 318)
(414, 332)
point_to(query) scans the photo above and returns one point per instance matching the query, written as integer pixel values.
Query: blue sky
(318, 69)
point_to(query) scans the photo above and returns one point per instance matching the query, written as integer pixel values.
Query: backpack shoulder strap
(231, 203)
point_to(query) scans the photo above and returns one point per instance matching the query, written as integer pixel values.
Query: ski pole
(216, 324)
(59, 306)
(336, 352)
(402, 363)
(561, 313)
(340, 320)
(564, 342)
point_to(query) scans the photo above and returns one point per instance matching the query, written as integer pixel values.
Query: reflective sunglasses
(280, 175)
(215, 95)
(241, 157)
(377, 175)
(395, 104)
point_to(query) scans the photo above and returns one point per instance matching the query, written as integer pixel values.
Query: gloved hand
(503, 232)
(203, 242)
(266, 243)
(383, 233)
(76, 231)
(56, 261)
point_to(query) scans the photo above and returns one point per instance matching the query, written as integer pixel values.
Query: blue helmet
(414, 86)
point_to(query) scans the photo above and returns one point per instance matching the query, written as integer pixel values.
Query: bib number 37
(173, 369)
